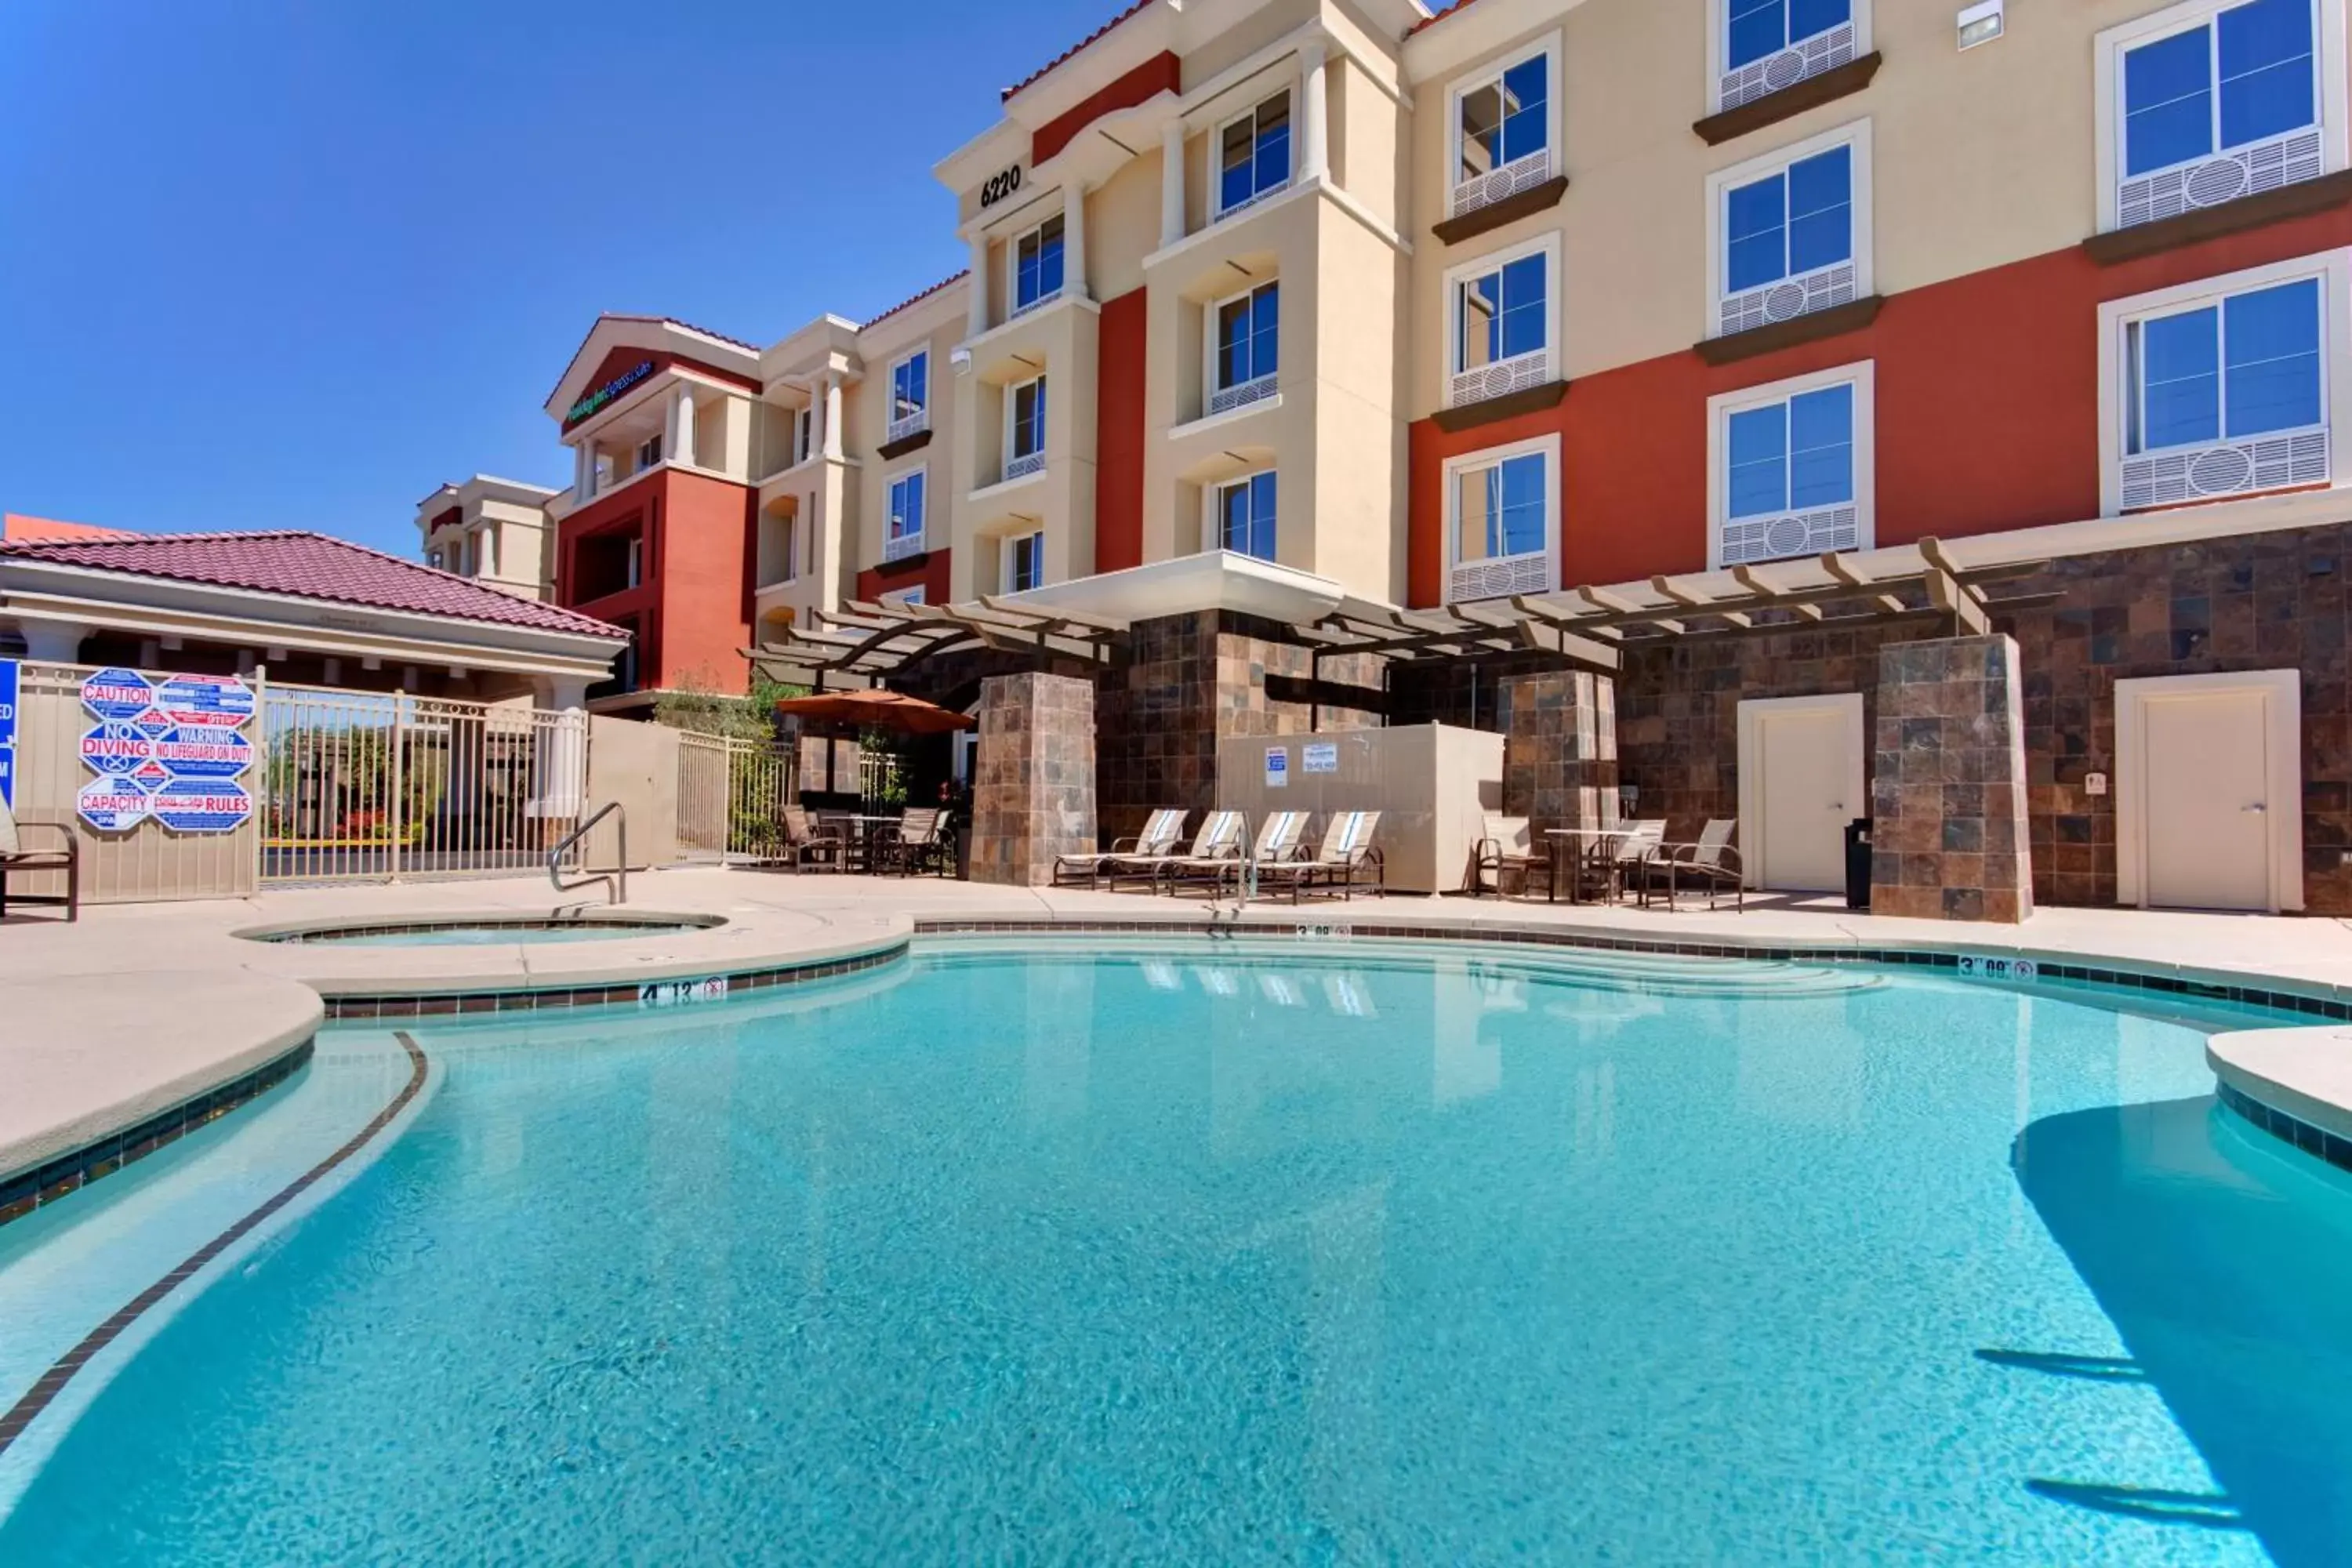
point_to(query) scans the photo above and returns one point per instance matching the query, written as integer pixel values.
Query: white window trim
(2334, 101)
(1718, 47)
(1008, 545)
(1216, 154)
(1863, 374)
(1548, 447)
(1212, 533)
(1209, 348)
(897, 548)
(2332, 268)
(1006, 457)
(1549, 247)
(1012, 306)
(913, 424)
(1548, 45)
(1720, 184)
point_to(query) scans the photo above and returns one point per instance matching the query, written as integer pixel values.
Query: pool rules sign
(172, 750)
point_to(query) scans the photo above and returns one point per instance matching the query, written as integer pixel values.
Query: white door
(2209, 773)
(1801, 782)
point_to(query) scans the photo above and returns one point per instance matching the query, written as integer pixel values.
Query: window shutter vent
(1788, 297)
(1751, 539)
(1226, 399)
(2236, 468)
(1521, 175)
(2242, 172)
(1494, 579)
(1758, 78)
(1500, 379)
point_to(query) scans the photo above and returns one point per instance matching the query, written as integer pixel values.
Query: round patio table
(1565, 839)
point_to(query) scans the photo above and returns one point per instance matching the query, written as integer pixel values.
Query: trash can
(1857, 864)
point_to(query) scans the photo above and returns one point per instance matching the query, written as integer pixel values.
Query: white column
(52, 642)
(1314, 133)
(583, 471)
(977, 300)
(1172, 182)
(1074, 239)
(681, 426)
(562, 746)
(832, 448)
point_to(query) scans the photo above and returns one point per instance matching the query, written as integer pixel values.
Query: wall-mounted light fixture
(1981, 24)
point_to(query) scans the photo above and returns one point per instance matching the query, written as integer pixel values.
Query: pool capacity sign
(172, 750)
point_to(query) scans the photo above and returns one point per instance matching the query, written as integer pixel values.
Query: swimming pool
(1230, 1253)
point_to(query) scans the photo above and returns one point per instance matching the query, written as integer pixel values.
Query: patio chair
(919, 843)
(1277, 841)
(1619, 864)
(1712, 861)
(1220, 835)
(1160, 836)
(1508, 846)
(805, 844)
(1346, 853)
(17, 860)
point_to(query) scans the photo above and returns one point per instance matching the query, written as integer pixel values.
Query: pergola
(856, 648)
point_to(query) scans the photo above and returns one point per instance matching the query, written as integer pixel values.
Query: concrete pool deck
(138, 1007)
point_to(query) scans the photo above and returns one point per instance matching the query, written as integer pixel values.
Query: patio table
(1565, 838)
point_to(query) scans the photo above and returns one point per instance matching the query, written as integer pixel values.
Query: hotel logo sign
(603, 395)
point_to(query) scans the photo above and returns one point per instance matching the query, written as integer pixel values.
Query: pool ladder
(616, 880)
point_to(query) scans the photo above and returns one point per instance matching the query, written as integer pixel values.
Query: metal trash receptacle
(1857, 864)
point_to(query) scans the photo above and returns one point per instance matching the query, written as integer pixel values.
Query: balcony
(1021, 468)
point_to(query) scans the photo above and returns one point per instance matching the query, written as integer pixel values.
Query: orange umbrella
(878, 711)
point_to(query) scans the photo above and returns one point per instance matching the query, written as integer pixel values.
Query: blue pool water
(1196, 1255)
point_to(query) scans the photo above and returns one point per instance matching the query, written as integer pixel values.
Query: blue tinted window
(2167, 101)
(907, 506)
(1265, 329)
(1038, 275)
(1246, 517)
(1757, 462)
(1820, 211)
(2180, 396)
(1515, 506)
(1759, 27)
(1248, 332)
(1756, 227)
(1502, 314)
(1254, 154)
(1525, 90)
(2266, 70)
(2271, 368)
(1807, 18)
(1820, 448)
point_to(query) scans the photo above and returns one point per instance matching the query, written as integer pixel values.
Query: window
(905, 596)
(1790, 467)
(1025, 563)
(804, 434)
(1243, 516)
(1765, 45)
(1791, 232)
(1502, 132)
(2212, 102)
(1501, 511)
(1037, 264)
(910, 396)
(649, 452)
(2224, 387)
(906, 528)
(788, 546)
(1244, 346)
(1501, 321)
(1254, 154)
(1024, 428)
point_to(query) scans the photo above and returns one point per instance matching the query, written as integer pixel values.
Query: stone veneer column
(1559, 749)
(1948, 794)
(1034, 797)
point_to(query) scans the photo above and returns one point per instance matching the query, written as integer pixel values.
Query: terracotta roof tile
(1439, 15)
(1050, 66)
(914, 299)
(16, 525)
(307, 566)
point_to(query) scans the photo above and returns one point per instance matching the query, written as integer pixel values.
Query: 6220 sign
(1000, 186)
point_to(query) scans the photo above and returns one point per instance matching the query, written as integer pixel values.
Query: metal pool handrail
(616, 881)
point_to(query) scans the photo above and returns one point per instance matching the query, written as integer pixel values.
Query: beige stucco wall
(937, 326)
(1062, 342)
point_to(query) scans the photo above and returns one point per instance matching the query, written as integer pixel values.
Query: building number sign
(1000, 186)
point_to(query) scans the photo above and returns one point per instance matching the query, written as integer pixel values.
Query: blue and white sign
(8, 778)
(111, 805)
(9, 697)
(150, 776)
(1277, 767)
(204, 752)
(116, 749)
(191, 805)
(205, 699)
(154, 724)
(120, 694)
(1319, 757)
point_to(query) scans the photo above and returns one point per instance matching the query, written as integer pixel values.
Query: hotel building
(1287, 319)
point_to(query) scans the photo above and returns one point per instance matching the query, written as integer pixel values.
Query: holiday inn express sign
(605, 394)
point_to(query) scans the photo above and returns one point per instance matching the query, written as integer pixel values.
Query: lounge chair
(1712, 862)
(1620, 863)
(1508, 846)
(1277, 841)
(17, 860)
(1346, 853)
(1159, 837)
(1220, 835)
(805, 844)
(919, 843)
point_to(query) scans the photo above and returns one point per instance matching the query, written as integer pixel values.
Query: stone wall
(1948, 783)
(1559, 749)
(1033, 789)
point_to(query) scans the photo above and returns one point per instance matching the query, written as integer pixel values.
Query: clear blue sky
(268, 265)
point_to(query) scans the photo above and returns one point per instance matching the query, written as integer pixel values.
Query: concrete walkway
(138, 1007)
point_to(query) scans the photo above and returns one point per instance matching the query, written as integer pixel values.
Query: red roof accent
(914, 299)
(307, 566)
(1438, 15)
(1050, 66)
(653, 320)
(16, 525)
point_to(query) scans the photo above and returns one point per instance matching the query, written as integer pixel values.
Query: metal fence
(370, 786)
(731, 795)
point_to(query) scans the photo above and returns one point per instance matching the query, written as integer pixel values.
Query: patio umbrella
(877, 710)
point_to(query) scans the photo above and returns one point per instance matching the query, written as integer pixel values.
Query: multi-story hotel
(1283, 317)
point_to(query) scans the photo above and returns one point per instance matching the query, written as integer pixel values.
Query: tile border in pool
(50, 1384)
(27, 1189)
(618, 929)
(2315, 1142)
(342, 1008)
(2049, 968)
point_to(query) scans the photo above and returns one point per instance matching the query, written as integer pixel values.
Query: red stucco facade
(692, 605)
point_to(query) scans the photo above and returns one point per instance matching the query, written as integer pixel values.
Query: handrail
(616, 881)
